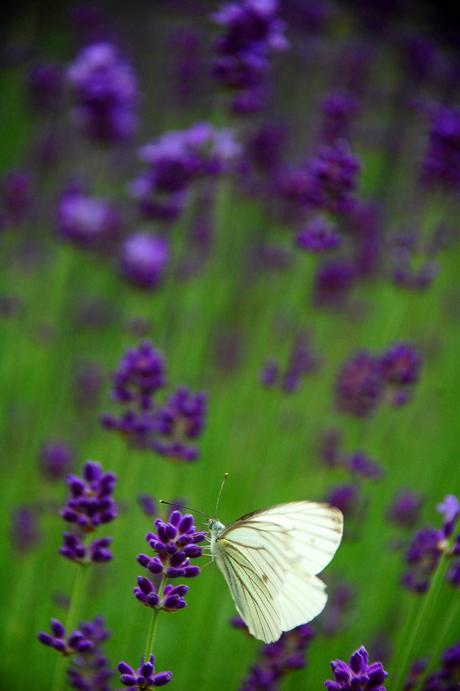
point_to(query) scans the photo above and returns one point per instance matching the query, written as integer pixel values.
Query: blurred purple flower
(16, 196)
(358, 675)
(333, 283)
(318, 236)
(144, 258)
(76, 642)
(90, 670)
(147, 504)
(56, 459)
(339, 109)
(87, 222)
(405, 508)
(104, 88)
(140, 375)
(24, 530)
(181, 419)
(401, 364)
(441, 165)
(277, 660)
(346, 498)
(361, 465)
(331, 175)
(447, 678)
(359, 385)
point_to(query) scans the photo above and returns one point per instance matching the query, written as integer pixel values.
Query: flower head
(105, 92)
(358, 674)
(144, 259)
(359, 385)
(144, 677)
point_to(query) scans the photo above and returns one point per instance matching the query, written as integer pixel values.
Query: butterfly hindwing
(252, 598)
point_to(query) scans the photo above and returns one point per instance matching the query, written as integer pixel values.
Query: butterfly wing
(283, 548)
(250, 593)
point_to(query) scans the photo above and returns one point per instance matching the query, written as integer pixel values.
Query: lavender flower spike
(358, 675)
(144, 677)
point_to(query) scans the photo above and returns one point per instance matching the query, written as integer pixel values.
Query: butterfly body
(270, 559)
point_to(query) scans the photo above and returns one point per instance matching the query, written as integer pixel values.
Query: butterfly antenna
(170, 503)
(220, 491)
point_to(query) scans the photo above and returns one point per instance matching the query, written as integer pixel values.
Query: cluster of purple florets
(430, 545)
(105, 93)
(90, 505)
(441, 165)
(87, 222)
(302, 361)
(89, 669)
(365, 379)
(318, 236)
(175, 543)
(277, 660)
(447, 678)
(250, 31)
(144, 677)
(358, 675)
(168, 429)
(177, 159)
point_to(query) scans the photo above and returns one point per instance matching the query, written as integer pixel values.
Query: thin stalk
(153, 624)
(449, 622)
(72, 618)
(429, 600)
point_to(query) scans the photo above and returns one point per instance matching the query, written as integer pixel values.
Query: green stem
(59, 682)
(449, 622)
(153, 623)
(429, 600)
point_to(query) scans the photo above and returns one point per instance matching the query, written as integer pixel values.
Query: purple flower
(318, 236)
(339, 108)
(76, 642)
(140, 374)
(339, 603)
(441, 165)
(175, 544)
(333, 283)
(358, 675)
(276, 660)
(450, 511)
(147, 504)
(144, 677)
(56, 459)
(401, 364)
(24, 531)
(182, 419)
(105, 92)
(361, 465)
(359, 385)
(90, 503)
(422, 559)
(251, 31)
(302, 361)
(90, 670)
(331, 176)
(405, 508)
(87, 222)
(346, 498)
(447, 678)
(144, 258)
(16, 196)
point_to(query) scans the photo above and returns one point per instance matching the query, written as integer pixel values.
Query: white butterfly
(270, 560)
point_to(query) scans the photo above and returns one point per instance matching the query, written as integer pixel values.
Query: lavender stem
(153, 623)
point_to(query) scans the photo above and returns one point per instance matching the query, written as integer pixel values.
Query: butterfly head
(215, 527)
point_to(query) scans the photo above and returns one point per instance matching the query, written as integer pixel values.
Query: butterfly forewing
(277, 553)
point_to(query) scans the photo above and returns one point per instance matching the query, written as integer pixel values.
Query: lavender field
(229, 243)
